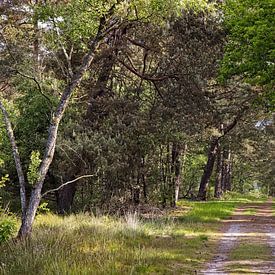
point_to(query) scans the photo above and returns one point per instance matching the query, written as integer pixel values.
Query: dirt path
(252, 225)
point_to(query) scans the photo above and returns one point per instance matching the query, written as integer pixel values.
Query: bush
(7, 229)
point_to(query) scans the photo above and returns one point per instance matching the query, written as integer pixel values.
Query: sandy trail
(252, 229)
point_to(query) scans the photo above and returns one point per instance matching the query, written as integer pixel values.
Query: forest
(132, 131)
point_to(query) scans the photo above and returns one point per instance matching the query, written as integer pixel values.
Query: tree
(29, 211)
(72, 24)
(250, 53)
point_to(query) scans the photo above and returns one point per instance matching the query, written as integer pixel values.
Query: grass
(250, 211)
(83, 244)
(248, 255)
(206, 212)
(273, 206)
(179, 243)
(251, 251)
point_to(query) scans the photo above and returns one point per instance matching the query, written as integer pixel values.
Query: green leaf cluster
(33, 167)
(250, 52)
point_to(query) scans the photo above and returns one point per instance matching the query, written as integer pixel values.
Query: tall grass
(85, 244)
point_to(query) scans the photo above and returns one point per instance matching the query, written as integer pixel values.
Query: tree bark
(218, 181)
(35, 198)
(100, 86)
(18, 165)
(178, 159)
(178, 151)
(65, 197)
(212, 152)
(227, 171)
(143, 179)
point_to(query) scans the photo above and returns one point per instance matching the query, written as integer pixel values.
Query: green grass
(253, 196)
(83, 244)
(251, 251)
(273, 206)
(179, 243)
(207, 211)
(248, 255)
(250, 212)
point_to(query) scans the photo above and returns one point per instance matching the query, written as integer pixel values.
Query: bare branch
(68, 57)
(66, 183)
(37, 83)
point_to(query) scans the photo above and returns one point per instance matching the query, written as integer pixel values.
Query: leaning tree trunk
(212, 152)
(35, 198)
(16, 156)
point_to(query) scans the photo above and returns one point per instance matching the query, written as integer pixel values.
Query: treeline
(148, 120)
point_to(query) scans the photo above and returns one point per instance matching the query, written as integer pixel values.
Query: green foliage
(7, 228)
(33, 116)
(78, 20)
(43, 208)
(250, 50)
(33, 174)
(3, 180)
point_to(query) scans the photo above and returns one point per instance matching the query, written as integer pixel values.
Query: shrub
(7, 229)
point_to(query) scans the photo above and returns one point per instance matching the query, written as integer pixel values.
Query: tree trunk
(65, 197)
(208, 169)
(227, 170)
(35, 198)
(100, 87)
(143, 179)
(179, 170)
(218, 182)
(16, 156)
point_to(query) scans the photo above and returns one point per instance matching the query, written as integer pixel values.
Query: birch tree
(67, 24)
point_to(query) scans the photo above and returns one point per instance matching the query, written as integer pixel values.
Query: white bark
(17, 160)
(35, 198)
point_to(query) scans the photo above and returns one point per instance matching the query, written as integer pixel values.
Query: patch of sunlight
(193, 260)
(163, 254)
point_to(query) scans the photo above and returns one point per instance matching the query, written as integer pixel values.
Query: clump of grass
(132, 220)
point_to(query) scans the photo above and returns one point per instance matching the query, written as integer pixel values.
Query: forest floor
(247, 242)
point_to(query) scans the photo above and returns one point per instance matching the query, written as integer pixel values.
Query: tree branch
(143, 76)
(66, 183)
